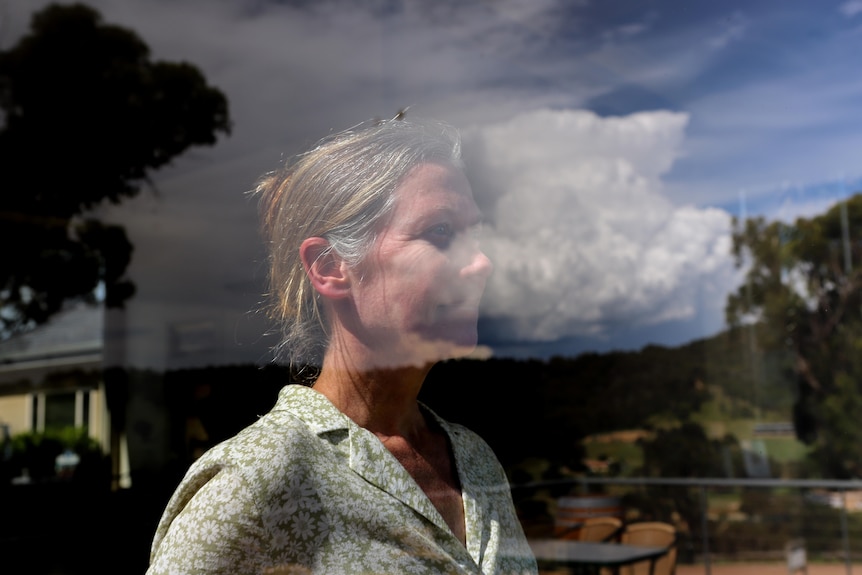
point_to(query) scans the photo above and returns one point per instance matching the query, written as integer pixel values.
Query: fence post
(705, 529)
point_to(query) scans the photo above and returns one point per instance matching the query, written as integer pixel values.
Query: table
(585, 557)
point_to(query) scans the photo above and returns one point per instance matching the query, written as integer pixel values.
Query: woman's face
(417, 293)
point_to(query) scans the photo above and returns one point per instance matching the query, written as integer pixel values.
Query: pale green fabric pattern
(306, 490)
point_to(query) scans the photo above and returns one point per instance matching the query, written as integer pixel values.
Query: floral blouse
(306, 490)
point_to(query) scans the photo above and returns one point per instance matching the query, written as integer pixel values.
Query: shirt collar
(313, 408)
(367, 455)
(321, 415)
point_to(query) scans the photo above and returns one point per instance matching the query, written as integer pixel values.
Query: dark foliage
(802, 299)
(88, 116)
(540, 409)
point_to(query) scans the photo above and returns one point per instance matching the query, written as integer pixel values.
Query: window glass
(670, 195)
(59, 410)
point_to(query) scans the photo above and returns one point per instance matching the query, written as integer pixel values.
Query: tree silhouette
(87, 117)
(803, 300)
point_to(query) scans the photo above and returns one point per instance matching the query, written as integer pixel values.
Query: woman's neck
(383, 401)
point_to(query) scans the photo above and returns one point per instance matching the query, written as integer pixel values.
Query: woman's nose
(480, 264)
(470, 258)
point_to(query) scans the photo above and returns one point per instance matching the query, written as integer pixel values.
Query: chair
(600, 529)
(654, 534)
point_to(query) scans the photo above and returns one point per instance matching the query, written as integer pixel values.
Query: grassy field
(622, 446)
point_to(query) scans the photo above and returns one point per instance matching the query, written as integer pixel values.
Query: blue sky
(609, 143)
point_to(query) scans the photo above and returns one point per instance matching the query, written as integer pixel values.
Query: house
(51, 378)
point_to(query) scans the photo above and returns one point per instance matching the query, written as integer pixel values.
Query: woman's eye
(441, 231)
(441, 235)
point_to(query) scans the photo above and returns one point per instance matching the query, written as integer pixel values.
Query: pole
(845, 238)
(844, 536)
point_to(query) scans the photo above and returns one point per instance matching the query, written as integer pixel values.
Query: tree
(87, 118)
(683, 451)
(802, 298)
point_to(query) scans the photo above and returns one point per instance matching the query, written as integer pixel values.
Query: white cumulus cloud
(581, 236)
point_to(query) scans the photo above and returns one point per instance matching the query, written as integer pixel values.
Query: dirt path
(748, 569)
(766, 569)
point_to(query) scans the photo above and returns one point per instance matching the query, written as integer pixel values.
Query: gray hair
(340, 190)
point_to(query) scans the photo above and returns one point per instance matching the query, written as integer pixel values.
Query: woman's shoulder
(263, 439)
(285, 440)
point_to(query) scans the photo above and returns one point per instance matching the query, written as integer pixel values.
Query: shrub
(37, 453)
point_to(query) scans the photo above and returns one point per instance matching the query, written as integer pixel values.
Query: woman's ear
(326, 270)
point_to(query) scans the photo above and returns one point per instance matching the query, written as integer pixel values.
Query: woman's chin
(427, 349)
(453, 343)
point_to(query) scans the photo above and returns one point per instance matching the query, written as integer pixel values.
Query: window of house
(56, 410)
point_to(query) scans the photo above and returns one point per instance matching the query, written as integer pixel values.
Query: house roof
(72, 339)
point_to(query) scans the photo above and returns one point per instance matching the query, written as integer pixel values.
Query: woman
(375, 275)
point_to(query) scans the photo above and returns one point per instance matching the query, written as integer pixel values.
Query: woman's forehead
(434, 186)
(429, 203)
